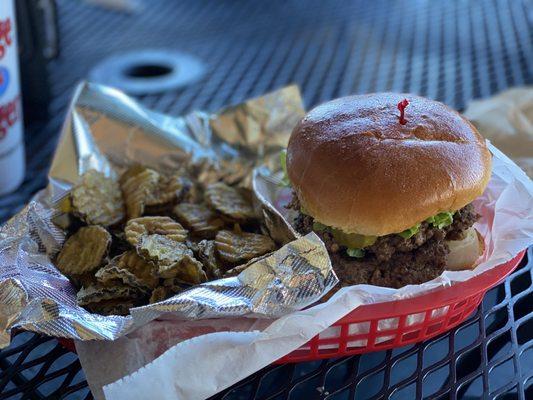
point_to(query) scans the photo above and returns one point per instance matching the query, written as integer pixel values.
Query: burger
(387, 181)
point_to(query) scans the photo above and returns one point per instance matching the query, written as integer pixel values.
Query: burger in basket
(387, 181)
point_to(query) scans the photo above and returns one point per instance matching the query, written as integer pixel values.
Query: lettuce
(355, 253)
(410, 232)
(317, 226)
(441, 220)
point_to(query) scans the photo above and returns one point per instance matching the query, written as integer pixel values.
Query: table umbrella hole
(148, 71)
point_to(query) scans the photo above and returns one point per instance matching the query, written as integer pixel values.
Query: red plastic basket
(382, 326)
(412, 320)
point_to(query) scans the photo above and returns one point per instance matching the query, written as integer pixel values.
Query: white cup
(12, 166)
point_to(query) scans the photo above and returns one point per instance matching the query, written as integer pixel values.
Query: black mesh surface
(452, 51)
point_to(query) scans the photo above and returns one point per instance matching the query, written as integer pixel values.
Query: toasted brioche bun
(354, 167)
(464, 253)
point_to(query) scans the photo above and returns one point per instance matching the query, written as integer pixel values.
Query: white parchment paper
(169, 359)
(507, 121)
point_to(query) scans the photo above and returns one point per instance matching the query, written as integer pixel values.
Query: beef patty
(393, 261)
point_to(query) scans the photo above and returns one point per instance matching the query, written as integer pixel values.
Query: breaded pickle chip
(207, 255)
(160, 293)
(166, 226)
(235, 247)
(170, 189)
(84, 251)
(201, 220)
(112, 307)
(129, 269)
(229, 201)
(173, 259)
(138, 184)
(97, 293)
(97, 199)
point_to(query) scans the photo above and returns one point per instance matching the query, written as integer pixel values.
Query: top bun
(354, 167)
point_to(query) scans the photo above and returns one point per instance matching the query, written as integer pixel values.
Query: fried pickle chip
(137, 184)
(207, 255)
(97, 199)
(97, 293)
(173, 259)
(84, 251)
(166, 226)
(229, 201)
(201, 220)
(235, 247)
(175, 285)
(195, 194)
(86, 279)
(119, 244)
(170, 189)
(161, 293)
(112, 307)
(236, 270)
(129, 269)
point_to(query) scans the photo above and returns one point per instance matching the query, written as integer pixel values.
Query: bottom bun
(464, 253)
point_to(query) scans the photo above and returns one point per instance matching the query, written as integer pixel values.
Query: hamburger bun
(355, 167)
(464, 253)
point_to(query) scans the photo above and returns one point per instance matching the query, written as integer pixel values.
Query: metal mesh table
(452, 51)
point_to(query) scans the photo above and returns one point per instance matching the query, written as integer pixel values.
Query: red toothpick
(401, 106)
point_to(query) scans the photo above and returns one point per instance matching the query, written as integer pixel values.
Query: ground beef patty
(393, 261)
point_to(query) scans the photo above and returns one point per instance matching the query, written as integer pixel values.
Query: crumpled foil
(107, 130)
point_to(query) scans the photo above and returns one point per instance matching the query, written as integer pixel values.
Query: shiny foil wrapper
(108, 131)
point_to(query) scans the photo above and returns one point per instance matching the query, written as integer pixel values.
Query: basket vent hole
(331, 332)
(434, 328)
(330, 348)
(388, 324)
(459, 305)
(439, 312)
(384, 340)
(359, 328)
(410, 336)
(356, 344)
(415, 319)
(454, 319)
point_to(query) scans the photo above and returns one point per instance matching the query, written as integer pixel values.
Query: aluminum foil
(107, 131)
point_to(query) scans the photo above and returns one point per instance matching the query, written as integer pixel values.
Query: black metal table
(452, 51)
